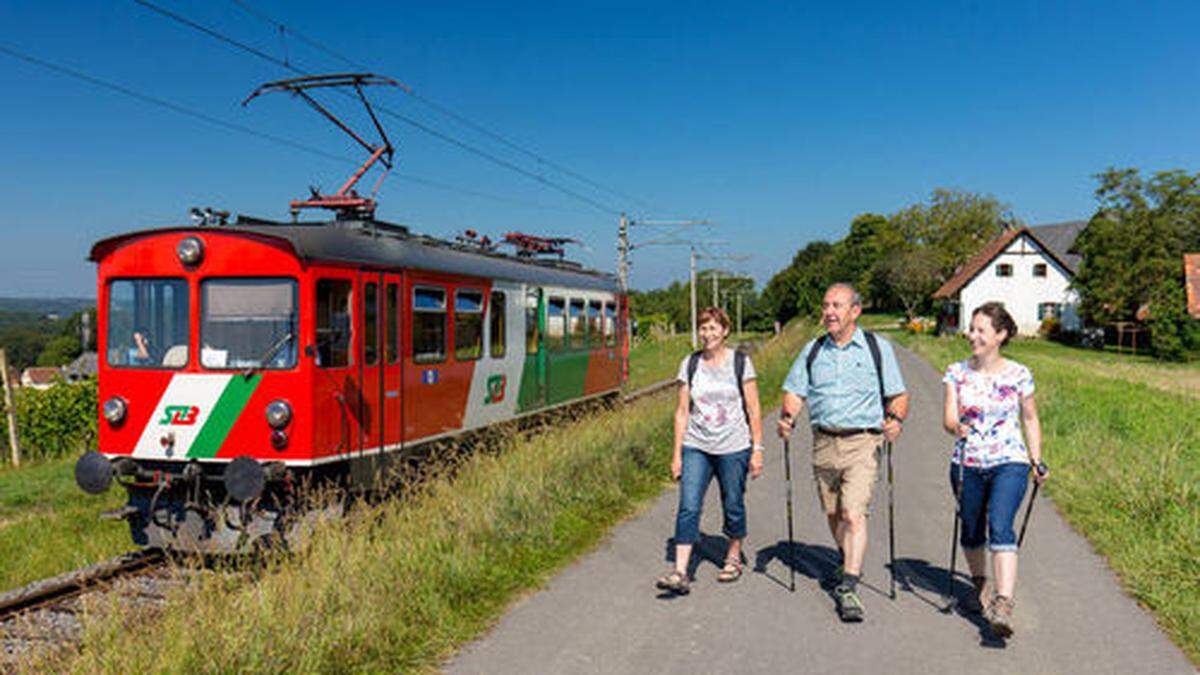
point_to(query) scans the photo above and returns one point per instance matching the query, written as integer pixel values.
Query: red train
(239, 361)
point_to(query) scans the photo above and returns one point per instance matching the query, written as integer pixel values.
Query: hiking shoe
(673, 582)
(1000, 616)
(849, 606)
(973, 603)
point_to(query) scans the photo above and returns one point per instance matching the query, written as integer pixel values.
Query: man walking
(856, 399)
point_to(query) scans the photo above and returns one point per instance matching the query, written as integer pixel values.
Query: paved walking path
(602, 614)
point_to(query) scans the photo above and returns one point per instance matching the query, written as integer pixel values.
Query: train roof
(371, 242)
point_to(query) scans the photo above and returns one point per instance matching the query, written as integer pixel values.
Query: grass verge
(400, 586)
(48, 526)
(1126, 459)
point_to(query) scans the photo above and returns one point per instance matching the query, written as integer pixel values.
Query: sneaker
(850, 607)
(1000, 616)
(973, 603)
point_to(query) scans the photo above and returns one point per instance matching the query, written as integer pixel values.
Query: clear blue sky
(780, 121)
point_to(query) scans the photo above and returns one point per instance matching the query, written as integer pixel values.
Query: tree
(1133, 252)
(913, 276)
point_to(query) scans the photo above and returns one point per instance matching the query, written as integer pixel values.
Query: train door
(370, 376)
(533, 375)
(336, 385)
(393, 363)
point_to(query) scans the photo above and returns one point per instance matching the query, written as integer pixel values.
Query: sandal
(732, 571)
(674, 582)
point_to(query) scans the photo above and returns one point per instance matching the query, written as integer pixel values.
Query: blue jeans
(698, 470)
(990, 500)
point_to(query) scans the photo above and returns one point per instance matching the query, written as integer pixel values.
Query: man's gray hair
(855, 298)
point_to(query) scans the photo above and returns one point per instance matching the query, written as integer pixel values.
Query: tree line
(31, 339)
(1132, 260)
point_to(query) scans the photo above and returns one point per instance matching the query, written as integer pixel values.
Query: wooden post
(10, 411)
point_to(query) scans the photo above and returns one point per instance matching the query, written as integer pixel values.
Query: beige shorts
(845, 468)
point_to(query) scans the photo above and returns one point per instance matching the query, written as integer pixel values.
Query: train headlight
(190, 251)
(279, 413)
(279, 439)
(114, 410)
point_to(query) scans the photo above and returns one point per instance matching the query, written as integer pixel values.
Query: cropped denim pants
(699, 467)
(990, 500)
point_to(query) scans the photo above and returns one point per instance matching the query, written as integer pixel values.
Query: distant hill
(63, 307)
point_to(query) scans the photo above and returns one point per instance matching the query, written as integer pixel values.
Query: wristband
(759, 448)
(893, 416)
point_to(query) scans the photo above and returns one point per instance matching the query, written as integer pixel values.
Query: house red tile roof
(993, 248)
(975, 265)
(1191, 266)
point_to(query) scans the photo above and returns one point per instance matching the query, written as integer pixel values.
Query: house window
(1049, 310)
(1004, 270)
(1039, 269)
(468, 325)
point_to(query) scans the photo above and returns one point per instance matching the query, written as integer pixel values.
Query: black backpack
(872, 345)
(739, 370)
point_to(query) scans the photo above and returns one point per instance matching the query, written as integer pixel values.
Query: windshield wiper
(268, 355)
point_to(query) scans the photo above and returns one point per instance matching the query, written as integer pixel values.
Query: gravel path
(602, 614)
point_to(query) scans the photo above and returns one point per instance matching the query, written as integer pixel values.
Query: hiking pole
(892, 516)
(950, 599)
(787, 473)
(1040, 469)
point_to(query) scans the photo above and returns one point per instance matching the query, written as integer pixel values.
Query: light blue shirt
(844, 392)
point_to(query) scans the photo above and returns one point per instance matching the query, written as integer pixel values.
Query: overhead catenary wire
(425, 128)
(241, 128)
(441, 108)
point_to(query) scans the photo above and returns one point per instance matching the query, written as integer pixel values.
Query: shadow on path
(928, 583)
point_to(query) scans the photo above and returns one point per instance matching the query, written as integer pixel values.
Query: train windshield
(248, 323)
(148, 323)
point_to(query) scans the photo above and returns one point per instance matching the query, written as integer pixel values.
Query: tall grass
(1126, 462)
(399, 586)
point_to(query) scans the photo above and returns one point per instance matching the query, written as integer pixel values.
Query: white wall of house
(1022, 293)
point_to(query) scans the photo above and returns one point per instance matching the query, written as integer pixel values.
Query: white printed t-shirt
(990, 404)
(717, 422)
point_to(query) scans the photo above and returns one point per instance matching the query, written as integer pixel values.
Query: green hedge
(54, 422)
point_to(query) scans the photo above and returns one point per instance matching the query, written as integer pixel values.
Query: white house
(1029, 269)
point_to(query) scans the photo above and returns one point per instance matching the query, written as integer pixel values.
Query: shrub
(55, 422)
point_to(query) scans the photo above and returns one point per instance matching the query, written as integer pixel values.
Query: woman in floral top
(988, 401)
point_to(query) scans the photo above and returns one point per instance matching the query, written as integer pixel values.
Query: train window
(556, 323)
(148, 323)
(429, 325)
(532, 334)
(610, 324)
(595, 331)
(392, 323)
(576, 326)
(371, 324)
(248, 323)
(333, 323)
(468, 325)
(496, 326)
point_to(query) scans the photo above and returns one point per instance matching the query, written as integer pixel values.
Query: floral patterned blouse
(990, 404)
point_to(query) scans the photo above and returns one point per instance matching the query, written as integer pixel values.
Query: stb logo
(179, 415)
(495, 389)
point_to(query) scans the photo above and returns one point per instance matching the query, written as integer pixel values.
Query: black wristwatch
(1042, 469)
(893, 416)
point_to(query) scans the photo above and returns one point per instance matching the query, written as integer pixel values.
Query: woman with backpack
(718, 432)
(989, 399)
